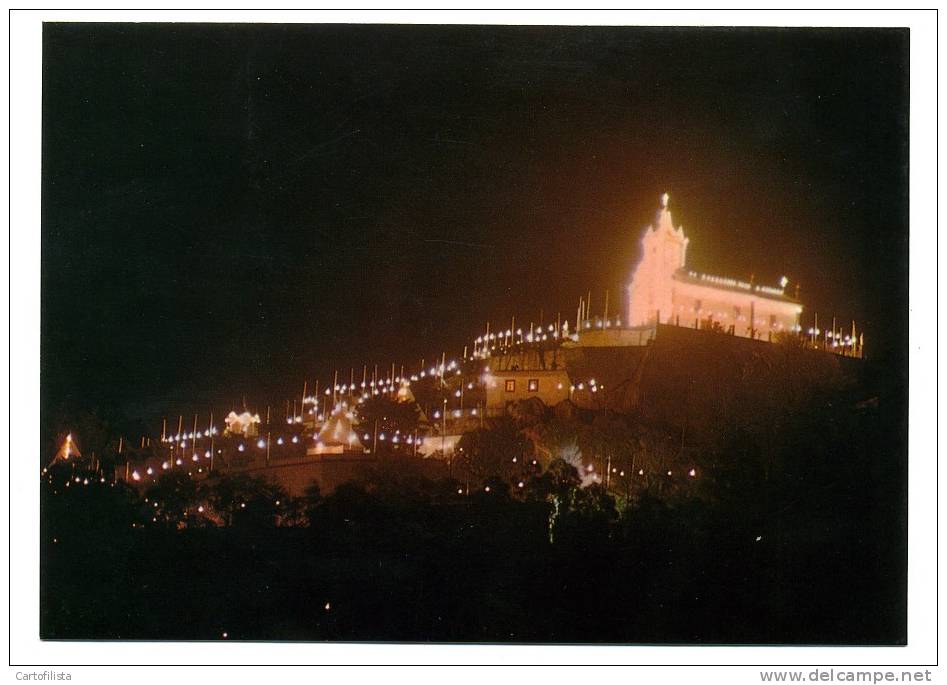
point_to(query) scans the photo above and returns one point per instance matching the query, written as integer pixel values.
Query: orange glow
(661, 290)
(663, 250)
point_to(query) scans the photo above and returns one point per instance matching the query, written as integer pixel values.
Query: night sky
(231, 209)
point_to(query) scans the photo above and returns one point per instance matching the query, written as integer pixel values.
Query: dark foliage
(799, 539)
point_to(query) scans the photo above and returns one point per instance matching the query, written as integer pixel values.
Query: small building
(245, 424)
(338, 435)
(505, 386)
(68, 449)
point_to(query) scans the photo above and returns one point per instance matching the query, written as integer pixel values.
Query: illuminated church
(663, 290)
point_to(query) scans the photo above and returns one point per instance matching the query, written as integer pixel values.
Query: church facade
(664, 290)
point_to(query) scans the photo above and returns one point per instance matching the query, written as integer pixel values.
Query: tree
(559, 439)
(582, 516)
(499, 449)
(528, 413)
(298, 511)
(385, 417)
(242, 499)
(557, 481)
(608, 444)
(305, 506)
(174, 499)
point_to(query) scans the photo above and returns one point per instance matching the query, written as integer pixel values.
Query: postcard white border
(25, 113)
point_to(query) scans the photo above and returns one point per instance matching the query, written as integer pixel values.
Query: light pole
(443, 426)
(450, 462)
(375, 440)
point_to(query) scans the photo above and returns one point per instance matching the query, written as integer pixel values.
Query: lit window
(511, 385)
(533, 385)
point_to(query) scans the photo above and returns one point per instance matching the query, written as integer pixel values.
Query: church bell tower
(663, 251)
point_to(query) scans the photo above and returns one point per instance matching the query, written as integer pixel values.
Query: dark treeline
(801, 544)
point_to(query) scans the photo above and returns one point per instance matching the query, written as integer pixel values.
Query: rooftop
(732, 284)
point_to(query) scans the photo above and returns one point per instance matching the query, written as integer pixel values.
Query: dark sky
(229, 209)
